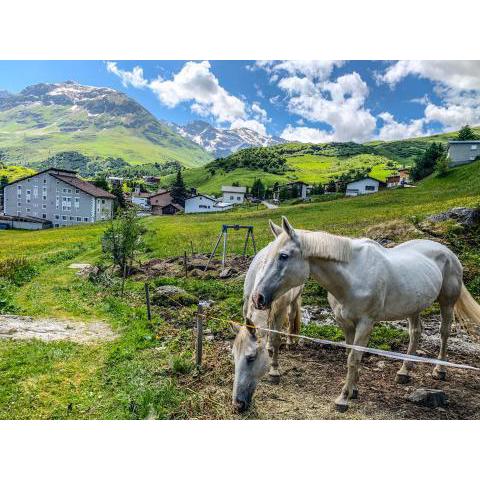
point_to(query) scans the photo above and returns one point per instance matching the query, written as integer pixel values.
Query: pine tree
(178, 191)
(120, 203)
(258, 188)
(466, 133)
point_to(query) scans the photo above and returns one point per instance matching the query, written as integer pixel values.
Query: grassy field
(137, 375)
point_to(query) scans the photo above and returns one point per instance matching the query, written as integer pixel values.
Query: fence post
(147, 300)
(185, 264)
(199, 343)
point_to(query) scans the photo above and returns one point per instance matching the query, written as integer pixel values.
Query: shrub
(17, 270)
(7, 304)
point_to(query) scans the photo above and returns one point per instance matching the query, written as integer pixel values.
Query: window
(76, 190)
(19, 213)
(85, 219)
(44, 215)
(473, 147)
(103, 202)
(29, 192)
(44, 197)
(77, 202)
(472, 157)
(238, 198)
(231, 197)
(19, 188)
(44, 181)
(28, 200)
(64, 217)
(57, 217)
(79, 219)
(57, 201)
(56, 225)
(369, 188)
(28, 210)
(19, 204)
(19, 195)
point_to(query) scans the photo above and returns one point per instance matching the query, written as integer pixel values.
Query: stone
(172, 296)
(462, 215)
(429, 397)
(226, 273)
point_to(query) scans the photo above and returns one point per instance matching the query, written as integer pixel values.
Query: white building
(141, 199)
(363, 186)
(204, 203)
(233, 194)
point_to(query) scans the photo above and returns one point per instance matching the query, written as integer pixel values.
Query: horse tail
(467, 312)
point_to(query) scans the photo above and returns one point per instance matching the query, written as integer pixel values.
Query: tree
(258, 188)
(466, 133)
(123, 239)
(101, 182)
(120, 203)
(178, 191)
(425, 164)
(442, 165)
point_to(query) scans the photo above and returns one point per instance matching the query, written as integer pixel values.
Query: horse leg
(362, 335)
(440, 372)
(275, 342)
(415, 331)
(349, 332)
(294, 321)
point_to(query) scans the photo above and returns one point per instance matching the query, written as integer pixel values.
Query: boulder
(429, 397)
(172, 296)
(462, 215)
(227, 273)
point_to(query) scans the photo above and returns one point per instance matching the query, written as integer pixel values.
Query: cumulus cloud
(197, 85)
(306, 135)
(133, 78)
(312, 69)
(393, 130)
(457, 74)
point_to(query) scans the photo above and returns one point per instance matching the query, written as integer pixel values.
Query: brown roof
(161, 199)
(84, 186)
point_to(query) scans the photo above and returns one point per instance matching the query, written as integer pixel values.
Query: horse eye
(283, 256)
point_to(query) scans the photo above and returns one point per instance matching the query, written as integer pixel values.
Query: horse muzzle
(260, 301)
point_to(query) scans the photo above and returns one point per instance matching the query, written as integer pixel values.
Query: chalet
(232, 194)
(393, 181)
(204, 204)
(363, 186)
(162, 203)
(150, 180)
(57, 196)
(460, 152)
(404, 175)
(295, 190)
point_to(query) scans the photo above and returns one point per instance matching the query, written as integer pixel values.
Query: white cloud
(312, 69)
(133, 78)
(196, 84)
(393, 130)
(457, 74)
(340, 104)
(306, 135)
(297, 85)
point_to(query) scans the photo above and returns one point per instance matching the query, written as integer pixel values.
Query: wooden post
(147, 300)
(199, 343)
(185, 264)
(225, 233)
(253, 242)
(124, 277)
(246, 243)
(191, 246)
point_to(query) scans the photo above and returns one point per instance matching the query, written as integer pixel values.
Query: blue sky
(299, 100)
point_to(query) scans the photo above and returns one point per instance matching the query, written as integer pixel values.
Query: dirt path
(312, 378)
(16, 327)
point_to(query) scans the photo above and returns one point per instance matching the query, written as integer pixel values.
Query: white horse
(368, 283)
(251, 345)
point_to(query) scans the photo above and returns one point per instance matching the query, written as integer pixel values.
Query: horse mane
(325, 245)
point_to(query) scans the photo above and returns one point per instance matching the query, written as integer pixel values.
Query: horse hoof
(439, 375)
(275, 379)
(341, 407)
(402, 379)
(354, 395)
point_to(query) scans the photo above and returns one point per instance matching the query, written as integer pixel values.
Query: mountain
(45, 119)
(222, 142)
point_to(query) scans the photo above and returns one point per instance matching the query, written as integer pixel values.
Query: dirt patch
(16, 327)
(196, 266)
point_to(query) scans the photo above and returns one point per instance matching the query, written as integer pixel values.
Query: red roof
(84, 186)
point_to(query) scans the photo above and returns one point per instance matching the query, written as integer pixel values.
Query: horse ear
(276, 230)
(250, 327)
(288, 229)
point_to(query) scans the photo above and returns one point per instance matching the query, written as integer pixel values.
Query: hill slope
(311, 163)
(44, 119)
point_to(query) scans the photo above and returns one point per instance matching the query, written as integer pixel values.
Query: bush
(17, 270)
(7, 304)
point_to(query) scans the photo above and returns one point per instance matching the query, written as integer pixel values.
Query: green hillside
(46, 119)
(311, 163)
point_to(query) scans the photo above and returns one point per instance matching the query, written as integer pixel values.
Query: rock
(381, 364)
(88, 271)
(226, 273)
(172, 296)
(429, 397)
(462, 215)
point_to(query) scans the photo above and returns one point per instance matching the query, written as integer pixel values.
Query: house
(460, 152)
(59, 196)
(141, 199)
(150, 180)
(162, 203)
(404, 175)
(115, 181)
(23, 223)
(363, 186)
(204, 203)
(295, 190)
(232, 194)
(393, 181)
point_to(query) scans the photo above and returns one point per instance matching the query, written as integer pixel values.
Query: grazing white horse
(368, 283)
(251, 345)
